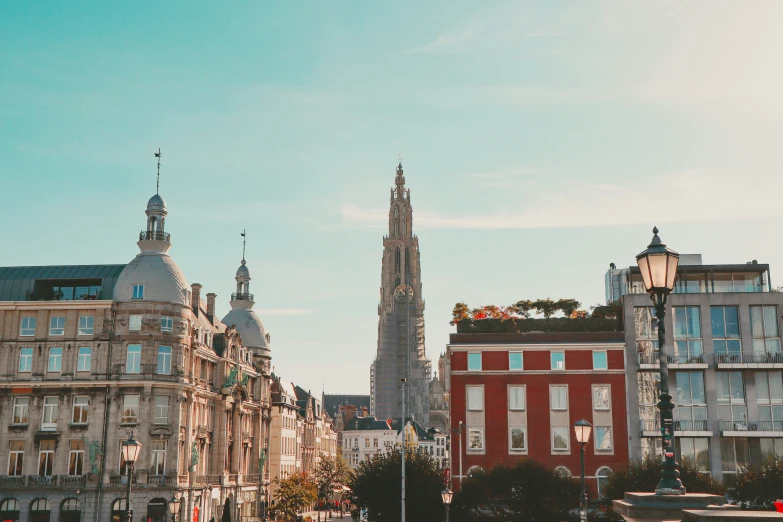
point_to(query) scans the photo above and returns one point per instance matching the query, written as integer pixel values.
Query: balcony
(651, 361)
(116, 480)
(748, 360)
(148, 235)
(160, 480)
(146, 372)
(10, 481)
(72, 481)
(751, 428)
(698, 428)
(242, 296)
(252, 478)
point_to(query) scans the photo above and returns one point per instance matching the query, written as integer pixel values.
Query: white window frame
(166, 323)
(137, 291)
(524, 397)
(84, 406)
(133, 359)
(164, 360)
(55, 360)
(134, 322)
(77, 454)
(158, 457)
(552, 360)
(567, 439)
(595, 440)
(511, 448)
(86, 325)
(128, 406)
(49, 456)
(23, 405)
(160, 408)
(479, 429)
(84, 360)
(26, 359)
(480, 365)
(57, 325)
(14, 456)
(552, 388)
(606, 356)
(467, 397)
(27, 327)
(51, 411)
(522, 361)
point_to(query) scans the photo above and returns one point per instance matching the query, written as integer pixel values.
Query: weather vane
(243, 244)
(157, 184)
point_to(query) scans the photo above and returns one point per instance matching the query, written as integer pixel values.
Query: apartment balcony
(161, 480)
(146, 372)
(699, 428)
(751, 428)
(748, 360)
(651, 361)
(72, 481)
(252, 478)
(149, 235)
(116, 480)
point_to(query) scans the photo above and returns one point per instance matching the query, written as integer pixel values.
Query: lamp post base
(651, 507)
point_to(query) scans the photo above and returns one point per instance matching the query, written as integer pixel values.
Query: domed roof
(243, 272)
(249, 326)
(162, 279)
(156, 203)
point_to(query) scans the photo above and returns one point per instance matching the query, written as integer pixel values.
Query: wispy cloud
(546, 34)
(285, 311)
(445, 43)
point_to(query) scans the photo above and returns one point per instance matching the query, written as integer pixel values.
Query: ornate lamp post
(446, 495)
(582, 429)
(130, 452)
(658, 265)
(174, 506)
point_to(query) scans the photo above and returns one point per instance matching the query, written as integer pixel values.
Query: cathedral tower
(400, 350)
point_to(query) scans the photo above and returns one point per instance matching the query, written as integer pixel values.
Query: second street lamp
(658, 265)
(174, 507)
(582, 430)
(447, 495)
(130, 452)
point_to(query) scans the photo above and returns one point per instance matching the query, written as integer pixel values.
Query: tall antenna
(243, 244)
(157, 184)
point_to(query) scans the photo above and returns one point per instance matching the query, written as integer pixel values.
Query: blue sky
(541, 141)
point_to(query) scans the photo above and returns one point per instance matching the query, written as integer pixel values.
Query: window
(46, 458)
(166, 324)
(602, 477)
(474, 362)
(764, 329)
(366, 442)
(134, 322)
(21, 410)
(25, 359)
(55, 359)
(600, 360)
(164, 360)
(130, 409)
(475, 398)
(517, 436)
(771, 447)
(691, 411)
(76, 458)
(738, 282)
(28, 326)
(687, 334)
(50, 414)
(558, 360)
(731, 397)
(161, 409)
(133, 363)
(603, 438)
(476, 439)
(695, 450)
(375, 442)
(70, 504)
(15, 458)
(81, 406)
(84, 362)
(725, 333)
(515, 361)
(769, 389)
(559, 397)
(601, 398)
(158, 457)
(734, 454)
(560, 438)
(646, 334)
(138, 292)
(516, 398)
(57, 326)
(86, 325)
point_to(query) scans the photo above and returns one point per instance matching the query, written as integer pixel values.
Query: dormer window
(138, 292)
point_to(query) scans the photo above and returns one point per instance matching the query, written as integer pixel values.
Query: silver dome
(156, 203)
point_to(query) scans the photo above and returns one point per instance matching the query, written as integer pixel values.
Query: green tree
(331, 473)
(568, 306)
(528, 491)
(757, 487)
(459, 313)
(295, 492)
(545, 307)
(377, 484)
(522, 308)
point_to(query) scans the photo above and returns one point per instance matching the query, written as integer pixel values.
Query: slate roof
(17, 283)
(366, 424)
(333, 402)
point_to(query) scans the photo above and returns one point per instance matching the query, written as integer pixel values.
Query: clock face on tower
(403, 293)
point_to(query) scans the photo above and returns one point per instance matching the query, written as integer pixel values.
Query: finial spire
(244, 238)
(157, 183)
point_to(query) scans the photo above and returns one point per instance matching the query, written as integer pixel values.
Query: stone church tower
(400, 351)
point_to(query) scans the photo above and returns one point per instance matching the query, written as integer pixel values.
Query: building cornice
(56, 305)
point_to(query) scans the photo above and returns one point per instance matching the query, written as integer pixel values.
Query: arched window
(602, 476)
(39, 510)
(396, 212)
(475, 470)
(157, 510)
(404, 227)
(396, 227)
(407, 260)
(69, 510)
(397, 260)
(562, 471)
(9, 510)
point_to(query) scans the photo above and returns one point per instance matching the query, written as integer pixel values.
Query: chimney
(211, 306)
(195, 298)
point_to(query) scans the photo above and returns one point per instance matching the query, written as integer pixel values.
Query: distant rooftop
(58, 283)
(333, 401)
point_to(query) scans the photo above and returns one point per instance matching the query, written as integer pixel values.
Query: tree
(757, 487)
(546, 307)
(568, 306)
(528, 491)
(295, 492)
(522, 308)
(331, 473)
(459, 313)
(376, 487)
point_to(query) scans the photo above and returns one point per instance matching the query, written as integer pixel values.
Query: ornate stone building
(92, 354)
(400, 351)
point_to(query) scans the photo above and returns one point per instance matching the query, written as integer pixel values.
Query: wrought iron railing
(242, 296)
(72, 480)
(160, 480)
(654, 358)
(157, 235)
(751, 425)
(679, 425)
(748, 358)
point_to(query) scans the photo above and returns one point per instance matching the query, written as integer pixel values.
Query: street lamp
(130, 452)
(174, 507)
(582, 429)
(447, 494)
(658, 265)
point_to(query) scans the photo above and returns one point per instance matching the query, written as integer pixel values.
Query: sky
(540, 140)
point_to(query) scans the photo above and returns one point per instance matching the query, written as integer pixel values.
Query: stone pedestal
(732, 515)
(649, 507)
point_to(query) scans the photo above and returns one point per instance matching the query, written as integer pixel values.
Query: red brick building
(518, 395)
